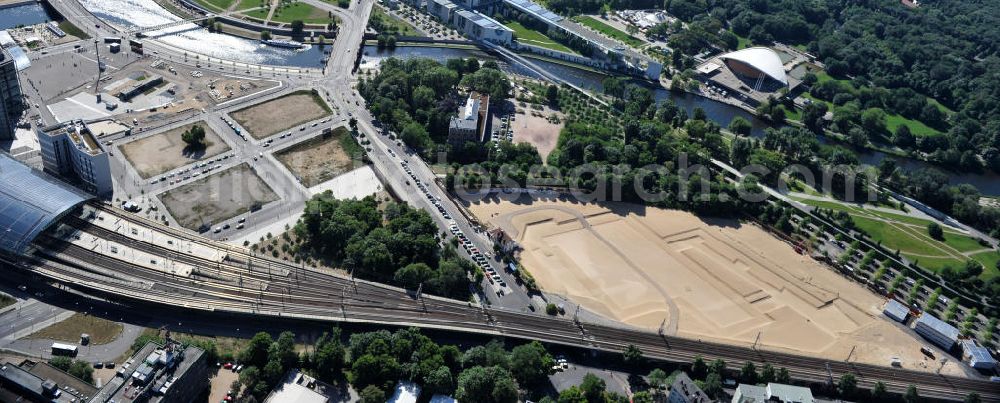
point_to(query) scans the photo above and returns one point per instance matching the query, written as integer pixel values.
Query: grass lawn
(743, 42)
(533, 37)
(917, 127)
(220, 5)
(101, 331)
(989, 261)
(301, 11)
(909, 236)
(260, 14)
(610, 31)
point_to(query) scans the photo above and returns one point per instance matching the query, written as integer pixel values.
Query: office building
(20, 384)
(158, 374)
(478, 26)
(73, 151)
(11, 99)
(471, 122)
(936, 331)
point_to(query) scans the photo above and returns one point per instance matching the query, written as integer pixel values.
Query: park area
(908, 235)
(322, 158)
(164, 152)
(199, 204)
(701, 278)
(101, 331)
(272, 117)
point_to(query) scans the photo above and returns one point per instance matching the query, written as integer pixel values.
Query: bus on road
(63, 349)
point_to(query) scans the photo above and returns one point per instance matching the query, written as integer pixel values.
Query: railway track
(302, 292)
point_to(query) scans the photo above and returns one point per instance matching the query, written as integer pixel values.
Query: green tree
(935, 231)
(487, 385)
(718, 366)
(440, 381)
(530, 363)
(551, 309)
(593, 388)
(297, 27)
(642, 397)
(783, 376)
(255, 353)
(748, 373)
(632, 356)
(552, 95)
(879, 393)
(328, 356)
(372, 394)
(572, 394)
(767, 373)
(972, 398)
(61, 362)
(699, 368)
(740, 126)
(713, 384)
(194, 137)
(657, 378)
(265, 35)
(847, 385)
(911, 395)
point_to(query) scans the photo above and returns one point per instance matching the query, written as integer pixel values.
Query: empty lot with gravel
(224, 195)
(272, 117)
(164, 152)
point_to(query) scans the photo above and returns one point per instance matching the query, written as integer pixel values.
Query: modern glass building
(30, 201)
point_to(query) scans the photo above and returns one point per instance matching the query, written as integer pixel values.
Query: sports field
(701, 278)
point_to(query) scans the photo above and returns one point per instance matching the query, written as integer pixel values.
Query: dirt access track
(720, 280)
(277, 115)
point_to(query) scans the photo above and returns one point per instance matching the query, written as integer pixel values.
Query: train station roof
(30, 201)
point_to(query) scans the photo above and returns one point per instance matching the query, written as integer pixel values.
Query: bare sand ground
(318, 159)
(218, 197)
(702, 278)
(535, 127)
(163, 152)
(266, 119)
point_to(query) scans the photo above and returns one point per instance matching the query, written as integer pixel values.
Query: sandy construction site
(701, 278)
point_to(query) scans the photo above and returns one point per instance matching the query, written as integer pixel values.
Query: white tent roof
(761, 58)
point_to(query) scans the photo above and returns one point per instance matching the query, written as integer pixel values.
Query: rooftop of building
(30, 201)
(482, 20)
(773, 392)
(297, 388)
(153, 369)
(32, 387)
(938, 325)
(67, 382)
(406, 392)
(684, 386)
(896, 308)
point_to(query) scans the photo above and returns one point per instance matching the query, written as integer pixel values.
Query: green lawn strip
(742, 41)
(71, 29)
(989, 260)
(894, 238)
(301, 11)
(917, 127)
(260, 13)
(962, 243)
(608, 30)
(6, 300)
(935, 264)
(218, 5)
(533, 37)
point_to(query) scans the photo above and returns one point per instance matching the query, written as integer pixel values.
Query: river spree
(24, 14)
(718, 112)
(127, 14)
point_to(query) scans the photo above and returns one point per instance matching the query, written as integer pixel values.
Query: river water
(718, 112)
(126, 14)
(25, 14)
